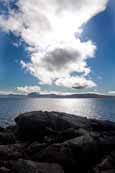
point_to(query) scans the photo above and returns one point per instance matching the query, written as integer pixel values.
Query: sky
(57, 46)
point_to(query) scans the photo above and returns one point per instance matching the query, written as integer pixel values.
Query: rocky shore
(51, 142)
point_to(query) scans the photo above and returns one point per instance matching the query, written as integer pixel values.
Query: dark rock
(7, 138)
(9, 164)
(10, 152)
(34, 148)
(1, 129)
(61, 136)
(77, 144)
(10, 129)
(27, 166)
(60, 154)
(108, 163)
(36, 125)
(106, 171)
(86, 151)
(102, 125)
(4, 170)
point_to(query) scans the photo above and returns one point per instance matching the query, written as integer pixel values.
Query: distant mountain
(11, 95)
(16, 95)
(34, 94)
(38, 95)
(87, 95)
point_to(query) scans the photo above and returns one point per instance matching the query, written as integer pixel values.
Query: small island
(53, 142)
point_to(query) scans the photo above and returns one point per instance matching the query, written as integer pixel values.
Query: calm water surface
(91, 108)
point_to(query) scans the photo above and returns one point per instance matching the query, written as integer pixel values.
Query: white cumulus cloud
(28, 89)
(75, 82)
(51, 29)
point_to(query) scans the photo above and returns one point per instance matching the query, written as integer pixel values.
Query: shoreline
(53, 142)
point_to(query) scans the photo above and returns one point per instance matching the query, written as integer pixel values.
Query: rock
(7, 138)
(36, 125)
(66, 135)
(108, 163)
(10, 152)
(62, 136)
(4, 170)
(41, 141)
(98, 125)
(34, 148)
(60, 154)
(8, 164)
(106, 171)
(57, 127)
(109, 171)
(27, 166)
(86, 151)
(10, 129)
(1, 129)
(72, 154)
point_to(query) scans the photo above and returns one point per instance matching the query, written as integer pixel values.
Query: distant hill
(38, 95)
(11, 96)
(87, 95)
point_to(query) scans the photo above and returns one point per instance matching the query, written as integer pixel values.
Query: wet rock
(27, 166)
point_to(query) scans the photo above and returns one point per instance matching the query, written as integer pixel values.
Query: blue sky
(101, 29)
(24, 67)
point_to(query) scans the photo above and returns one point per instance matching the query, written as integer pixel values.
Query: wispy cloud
(49, 28)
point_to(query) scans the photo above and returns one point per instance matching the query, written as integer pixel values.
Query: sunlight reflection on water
(91, 108)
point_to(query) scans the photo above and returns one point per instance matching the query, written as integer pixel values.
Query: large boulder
(36, 125)
(27, 166)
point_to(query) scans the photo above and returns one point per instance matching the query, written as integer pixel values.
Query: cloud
(60, 58)
(49, 28)
(6, 92)
(75, 82)
(60, 62)
(28, 89)
(36, 88)
(111, 92)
